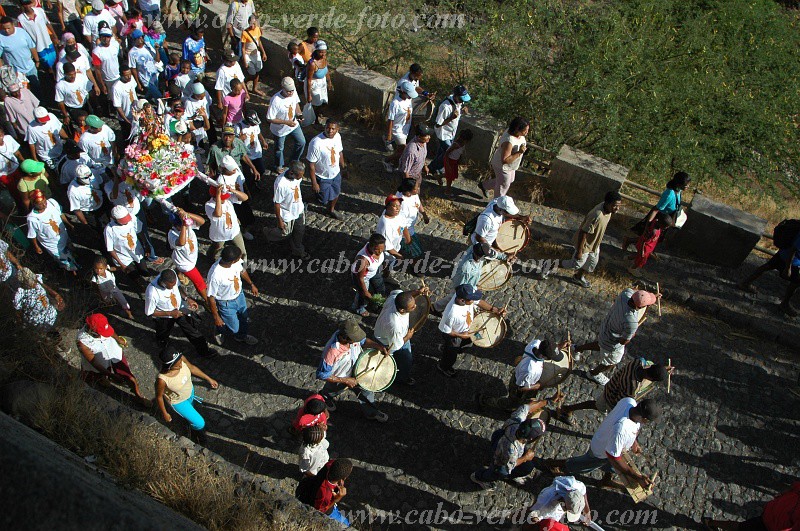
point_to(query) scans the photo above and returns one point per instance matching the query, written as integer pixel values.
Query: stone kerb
(581, 180)
(358, 87)
(486, 133)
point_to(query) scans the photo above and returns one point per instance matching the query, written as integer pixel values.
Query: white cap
(320, 45)
(40, 112)
(139, 105)
(287, 83)
(98, 5)
(119, 212)
(507, 204)
(83, 171)
(181, 127)
(229, 163)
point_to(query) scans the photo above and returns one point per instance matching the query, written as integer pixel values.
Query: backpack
(307, 488)
(8, 76)
(785, 233)
(469, 226)
(436, 110)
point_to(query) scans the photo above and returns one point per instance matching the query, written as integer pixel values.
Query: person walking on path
(507, 158)
(226, 296)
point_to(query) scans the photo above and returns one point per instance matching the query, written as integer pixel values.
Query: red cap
(98, 323)
(390, 198)
(212, 191)
(548, 524)
(43, 119)
(36, 195)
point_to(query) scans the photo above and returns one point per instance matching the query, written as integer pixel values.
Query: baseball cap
(354, 332)
(287, 83)
(229, 163)
(468, 292)
(320, 45)
(31, 166)
(105, 32)
(461, 92)
(228, 129)
(530, 429)
(97, 5)
(13, 87)
(507, 204)
(424, 130)
(573, 499)
(41, 114)
(94, 121)
(548, 524)
(98, 323)
(198, 89)
(229, 55)
(137, 34)
(178, 127)
(121, 214)
(642, 298)
(409, 89)
(392, 197)
(83, 172)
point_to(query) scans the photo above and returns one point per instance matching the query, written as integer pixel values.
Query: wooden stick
(669, 374)
(658, 292)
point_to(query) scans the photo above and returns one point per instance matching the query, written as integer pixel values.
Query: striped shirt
(620, 324)
(623, 383)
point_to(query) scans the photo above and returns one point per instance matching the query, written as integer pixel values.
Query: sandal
(706, 521)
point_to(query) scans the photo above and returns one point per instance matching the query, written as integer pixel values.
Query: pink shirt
(235, 106)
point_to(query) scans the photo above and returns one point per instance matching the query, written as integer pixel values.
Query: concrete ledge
(581, 180)
(718, 234)
(487, 131)
(358, 87)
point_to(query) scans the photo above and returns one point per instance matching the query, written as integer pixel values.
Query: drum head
(512, 236)
(555, 372)
(418, 317)
(374, 371)
(487, 329)
(494, 275)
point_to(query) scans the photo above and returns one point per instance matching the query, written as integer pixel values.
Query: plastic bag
(309, 116)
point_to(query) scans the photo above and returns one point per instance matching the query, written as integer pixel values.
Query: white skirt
(319, 91)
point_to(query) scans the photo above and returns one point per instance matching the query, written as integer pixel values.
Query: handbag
(309, 116)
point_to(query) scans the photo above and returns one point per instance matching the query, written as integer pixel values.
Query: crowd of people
(112, 65)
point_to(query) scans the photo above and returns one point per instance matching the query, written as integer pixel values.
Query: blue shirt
(669, 201)
(16, 50)
(191, 48)
(785, 254)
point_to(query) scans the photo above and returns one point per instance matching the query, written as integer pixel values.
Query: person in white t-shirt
(455, 325)
(565, 497)
(72, 93)
(106, 61)
(34, 20)
(327, 164)
(185, 247)
(75, 58)
(616, 435)
(226, 296)
(398, 124)
(167, 303)
(73, 157)
(229, 70)
(289, 211)
(507, 158)
(146, 64)
(496, 212)
(10, 157)
(92, 20)
(85, 195)
(393, 330)
(231, 177)
(47, 229)
(99, 142)
(223, 223)
(314, 451)
(37, 303)
(284, 116)
(392, 226)
(197, 108)
(122, 243)
(123, 97)
(106, 283)
(45, 136)
(249, 132)
(446, 125)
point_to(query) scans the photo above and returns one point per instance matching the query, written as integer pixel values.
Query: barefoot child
(106, 283)
(453, 156)
(647, 242)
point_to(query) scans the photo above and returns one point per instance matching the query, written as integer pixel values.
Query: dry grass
(448, 211)
(365, 117)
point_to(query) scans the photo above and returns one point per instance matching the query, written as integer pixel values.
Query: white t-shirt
(105, 284)
(5, 263)
(48, 228)
(81, 65)
(160, 299)
(617, 433)
(108, 59)
(8, 161)
(409, 209)
(34, 305)
(184, 256)
(548, 502)
(225, 283)
(191, 105)
(45, 136)
(85, 197)
(223, 228)
(92, 20)
(516, 144)
(457, 318)
(122, 239)
(233, 181)
(98, 145)
(406, 77)
(392, 230)
(283, 108)
(124, 96)
(69, 166)
(36, 28)
(400, 114)
(325, 153)
(488, 224)
(286, 192)
(251, 140)
(373, 264)
(391, 326)
(145, 61)
(528, 372)
(224, 76)
(74, 94)
(184, 82)
(447, 132)
(314, 457)
(106, 350)
(125, 196)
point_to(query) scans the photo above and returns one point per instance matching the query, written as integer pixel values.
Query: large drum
(487, 330)
(513, 236)
(555, 372)
(418, 317)
(374, 371)
(494, 275)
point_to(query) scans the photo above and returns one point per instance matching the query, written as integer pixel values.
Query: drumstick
(669, 374)
(658, 292)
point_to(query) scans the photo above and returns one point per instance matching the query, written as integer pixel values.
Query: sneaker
(250, 340)
(601, 378)
(380, 416)
(581, 281)
(247, 235)
(576, 356)
(219, 339)
(411, 382)
(485, 485)
(450, 373)
(333, 214)
(330, 403)
(388, 167)
(521, 481)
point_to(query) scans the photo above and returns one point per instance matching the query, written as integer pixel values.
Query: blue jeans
(142, 216)
(186, 410)
(234, 314)
(493, 472)
(299, 146)
(403, 358)
(151, 90)
(339, 517)
(583, 464)
(438, 161)
(33, 81)
(365, 398)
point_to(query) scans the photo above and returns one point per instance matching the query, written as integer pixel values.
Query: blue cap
(136, 34)
(468, 292)
(409, 88)
(461, 92)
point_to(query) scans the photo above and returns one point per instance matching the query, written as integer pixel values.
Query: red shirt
(305, 420)
(324, 498)
(783, 513)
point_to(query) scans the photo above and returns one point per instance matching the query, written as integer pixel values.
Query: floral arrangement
(157, 166)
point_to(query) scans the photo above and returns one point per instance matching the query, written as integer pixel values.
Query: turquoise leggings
(186, 410)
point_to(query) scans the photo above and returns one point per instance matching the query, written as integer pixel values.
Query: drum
(645, 386)
(418, 317)
(374, 371)
(487, 330)
(513, 236)
(494, 275)
(555, 372)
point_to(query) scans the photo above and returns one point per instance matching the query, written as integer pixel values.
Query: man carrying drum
(456, 322)
(468, 271)
(525, 381)
(624, 383)
(392, 329)
(488, 222)
(339, 358)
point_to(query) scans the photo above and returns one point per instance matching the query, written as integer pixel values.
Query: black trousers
(163, 326)
(453, 346)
